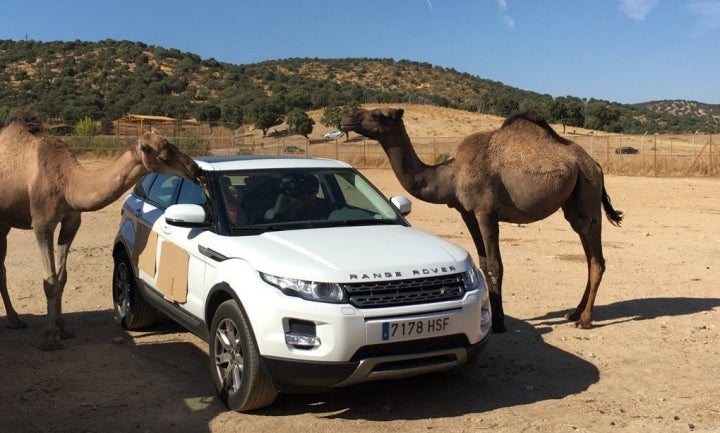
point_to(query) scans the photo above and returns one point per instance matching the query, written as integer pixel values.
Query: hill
(108, 79)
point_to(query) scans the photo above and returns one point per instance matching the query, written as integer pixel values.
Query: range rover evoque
(299, 274)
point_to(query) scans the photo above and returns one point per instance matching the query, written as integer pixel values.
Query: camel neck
(92, 189)
(421, 180)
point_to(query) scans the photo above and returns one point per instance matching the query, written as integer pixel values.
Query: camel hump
(27, 119)
(537, 118)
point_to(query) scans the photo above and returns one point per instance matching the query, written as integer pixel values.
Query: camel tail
(614, 216)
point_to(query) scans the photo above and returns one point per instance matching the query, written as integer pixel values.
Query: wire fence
(617, 154)
(633, 155)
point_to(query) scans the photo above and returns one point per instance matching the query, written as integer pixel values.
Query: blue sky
(619, 50)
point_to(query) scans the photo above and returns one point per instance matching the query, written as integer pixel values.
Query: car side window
(191, 193)
(161, 191)
(141, 188)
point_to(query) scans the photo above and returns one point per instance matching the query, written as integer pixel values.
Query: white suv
(299, 274)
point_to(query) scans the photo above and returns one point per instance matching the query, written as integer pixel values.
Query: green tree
(565, 111)
(506, 105)
(207, 113)
(299, 122)
(333, 114)
(574, 114)
(602, 116)
(232, 112)
(265, 113)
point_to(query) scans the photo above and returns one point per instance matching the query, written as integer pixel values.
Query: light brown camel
(520, 173)
(42, 185)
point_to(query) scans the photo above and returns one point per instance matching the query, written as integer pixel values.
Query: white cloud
(506, 19)
(707, 13)
(637, 9)
(509, 22)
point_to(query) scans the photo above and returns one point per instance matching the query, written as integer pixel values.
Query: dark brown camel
(42, 186)
(520, 173)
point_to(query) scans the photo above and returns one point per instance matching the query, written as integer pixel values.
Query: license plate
(415, 328)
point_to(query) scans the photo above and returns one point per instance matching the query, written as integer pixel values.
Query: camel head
(375, 124)
(158, 155)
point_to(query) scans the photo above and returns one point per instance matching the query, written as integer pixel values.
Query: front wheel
(235, 361)
(131, 310)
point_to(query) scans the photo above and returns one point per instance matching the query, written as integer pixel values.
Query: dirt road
(651, 364)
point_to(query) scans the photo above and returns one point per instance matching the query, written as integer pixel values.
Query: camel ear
(154, 130)
(399, 114)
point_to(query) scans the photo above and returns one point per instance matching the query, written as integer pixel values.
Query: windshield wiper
(357, 222)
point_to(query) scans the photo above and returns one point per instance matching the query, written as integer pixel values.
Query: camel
(520, 173)
(42, 185)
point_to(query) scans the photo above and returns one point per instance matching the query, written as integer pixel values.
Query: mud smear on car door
(145, 249)
(172, 275)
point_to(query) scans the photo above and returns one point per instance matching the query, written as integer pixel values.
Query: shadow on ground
(516, 368)
(103, 380)
(638, 309)
(106, 380)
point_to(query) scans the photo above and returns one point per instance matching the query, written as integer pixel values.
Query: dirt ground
(650, 364)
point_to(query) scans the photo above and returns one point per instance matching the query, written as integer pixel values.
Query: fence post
(655, 154)
(607, 153)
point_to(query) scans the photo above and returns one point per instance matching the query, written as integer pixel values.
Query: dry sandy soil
(650, 364)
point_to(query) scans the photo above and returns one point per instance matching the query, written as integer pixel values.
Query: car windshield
(305, 198)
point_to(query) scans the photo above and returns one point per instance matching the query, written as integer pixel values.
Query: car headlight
(310, 290)
(472, 279)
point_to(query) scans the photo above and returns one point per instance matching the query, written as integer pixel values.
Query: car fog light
(485, 316)
(302, 340)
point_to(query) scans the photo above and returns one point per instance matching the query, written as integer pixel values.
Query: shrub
(86, 127)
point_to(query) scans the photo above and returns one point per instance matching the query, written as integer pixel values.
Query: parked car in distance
(333, 135)
(626, 150)
(293, 150)
(299, 274)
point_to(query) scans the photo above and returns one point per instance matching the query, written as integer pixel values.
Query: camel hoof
(583, 325)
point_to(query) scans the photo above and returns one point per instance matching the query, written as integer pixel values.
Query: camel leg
(485, 233)
(68, 230)
(51, 286)
(14, 321)
(589, 230)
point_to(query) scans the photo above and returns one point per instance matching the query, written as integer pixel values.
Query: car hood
(346, 254)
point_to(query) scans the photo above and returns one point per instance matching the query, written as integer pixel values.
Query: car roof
(256, 162)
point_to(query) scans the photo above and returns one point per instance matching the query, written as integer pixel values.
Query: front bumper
(398, 360)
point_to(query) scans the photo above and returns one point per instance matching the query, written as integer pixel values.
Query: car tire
(131, 309)
(235, 361)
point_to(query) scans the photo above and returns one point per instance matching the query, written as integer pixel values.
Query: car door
(165, 259)
(180, 265)
(148, 207)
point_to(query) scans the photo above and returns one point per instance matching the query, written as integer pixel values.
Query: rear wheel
(131, 310)
(235, 361)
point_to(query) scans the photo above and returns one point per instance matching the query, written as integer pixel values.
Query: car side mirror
(403, 205)
(186, 215)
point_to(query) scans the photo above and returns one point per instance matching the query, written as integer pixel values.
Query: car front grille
(377, 294)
